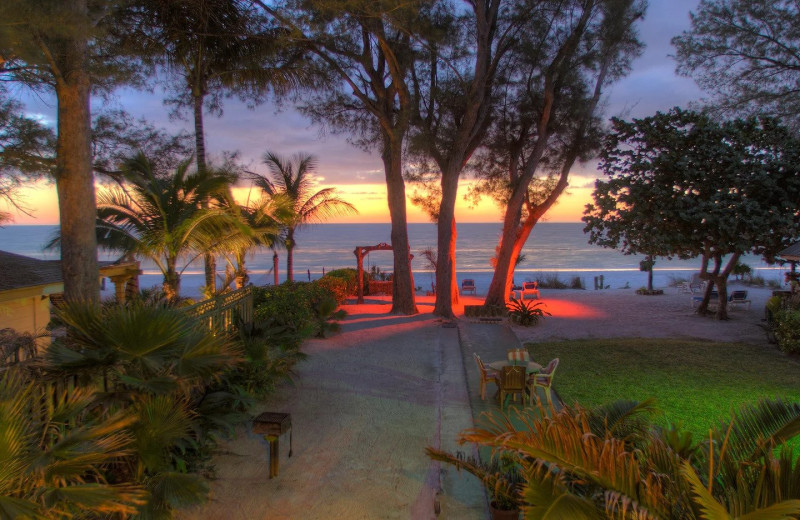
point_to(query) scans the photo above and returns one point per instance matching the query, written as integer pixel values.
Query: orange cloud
(370, 199)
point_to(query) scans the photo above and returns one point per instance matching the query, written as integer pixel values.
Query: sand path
(364, 406)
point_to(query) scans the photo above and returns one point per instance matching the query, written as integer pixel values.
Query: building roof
(791, 253)
(17, 271)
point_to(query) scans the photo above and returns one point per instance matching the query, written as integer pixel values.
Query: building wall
(26, 314)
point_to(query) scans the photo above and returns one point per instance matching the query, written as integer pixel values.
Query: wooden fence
(221, 312)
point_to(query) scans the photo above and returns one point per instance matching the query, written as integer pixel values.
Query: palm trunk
(241, 275)
(209, 259)
(74, 179)
(172, 282)
(275, 266)
(290, 255)
(403, 298)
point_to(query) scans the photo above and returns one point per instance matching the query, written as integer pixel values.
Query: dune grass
(695, 383)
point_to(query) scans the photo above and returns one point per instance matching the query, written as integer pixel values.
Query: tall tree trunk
(275, 267)
(209, 259)
(454, 279)
(446, 247)
(77, 206)
(290, 255)
(403, 298)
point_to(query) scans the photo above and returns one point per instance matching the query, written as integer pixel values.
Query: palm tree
(294, 179)
(612, 462)
(161, 218)
(212, 49)
(54, 453)
(262, 219)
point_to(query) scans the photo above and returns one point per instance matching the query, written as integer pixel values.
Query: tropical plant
(294, 180)
(160, 217)
(326, 314)
(612, 462)
(501, 475)
(159, 366)
(269, 358)
(526, 313)
(55, 451)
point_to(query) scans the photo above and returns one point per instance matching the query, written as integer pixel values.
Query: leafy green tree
(293, 181)
(680, 184)
(548, 115)
(363, 54)
(162, 218)
(746, 53)
(454, 83)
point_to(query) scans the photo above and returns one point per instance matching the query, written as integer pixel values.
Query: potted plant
(501, 476)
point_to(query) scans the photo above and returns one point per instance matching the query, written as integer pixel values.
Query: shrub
(270, 356)
(337, 287)
(787, 330)
(297, 307)
(526, 313)
(676, 281)
(576, 283)
(551, 281)
(350, 277)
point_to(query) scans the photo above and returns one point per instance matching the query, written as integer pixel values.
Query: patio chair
(467, 285)
(543, 379)
(739, 298)
(488, 375)
(529, 288)
(512, 383)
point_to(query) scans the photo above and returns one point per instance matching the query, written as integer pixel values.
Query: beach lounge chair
(529, 288)
(512, 383)
(697, 300)
(467, 285)
(738, 298)
(543, 379)
(487, 375)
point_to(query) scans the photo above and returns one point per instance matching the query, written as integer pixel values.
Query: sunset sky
(651, 86)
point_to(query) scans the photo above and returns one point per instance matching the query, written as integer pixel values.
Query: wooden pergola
(361, 252)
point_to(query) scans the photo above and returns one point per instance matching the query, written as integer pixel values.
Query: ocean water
(560, 249)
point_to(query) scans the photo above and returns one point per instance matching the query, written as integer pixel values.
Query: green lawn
(694, 383)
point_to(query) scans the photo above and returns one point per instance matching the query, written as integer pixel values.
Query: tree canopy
(681, 184)
(747, 54)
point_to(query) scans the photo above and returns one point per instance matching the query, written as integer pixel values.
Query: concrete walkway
(364, 407)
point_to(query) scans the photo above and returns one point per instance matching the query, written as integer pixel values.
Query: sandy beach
(623, 313)
(369, 399)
